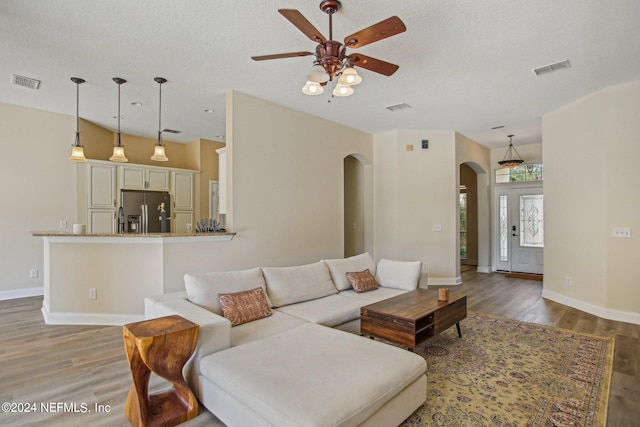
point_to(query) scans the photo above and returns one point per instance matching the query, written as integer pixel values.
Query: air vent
(25, 81)
(552, 67)
(171, 131)
(497, 127)
(398, 107)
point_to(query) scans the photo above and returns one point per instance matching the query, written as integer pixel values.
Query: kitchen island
(104, 278)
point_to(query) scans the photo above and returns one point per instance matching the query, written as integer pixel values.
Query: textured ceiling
(465, 65)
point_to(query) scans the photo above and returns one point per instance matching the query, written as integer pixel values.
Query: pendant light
(77, 152)
(118, 149)
(158, 153)
(509, 161)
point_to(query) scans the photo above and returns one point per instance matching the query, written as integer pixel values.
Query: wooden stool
(161, 346)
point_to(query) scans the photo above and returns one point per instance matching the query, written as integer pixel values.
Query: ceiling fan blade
(280, 55)
(373, 64)
(387, 28)
(297, 19)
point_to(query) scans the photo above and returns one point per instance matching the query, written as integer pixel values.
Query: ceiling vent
(171, 131)
(25, 81)
(398, 107)
(552, 67)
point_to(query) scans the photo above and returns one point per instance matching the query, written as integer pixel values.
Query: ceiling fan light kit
(331, 59)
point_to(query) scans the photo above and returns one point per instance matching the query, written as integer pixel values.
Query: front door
(520, 228)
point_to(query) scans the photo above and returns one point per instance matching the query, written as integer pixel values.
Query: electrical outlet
(568, 282)
(33, 273)
(436, 227)
(63, 224)
(93, 293)
(624, 232)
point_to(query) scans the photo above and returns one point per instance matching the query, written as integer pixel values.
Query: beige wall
(287, 179)
(414, 190)
(38, 190)
(591, 153)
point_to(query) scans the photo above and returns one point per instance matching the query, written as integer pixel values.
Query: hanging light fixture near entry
(509, 161)
(158, 153)
(77, 152)
(118, 149)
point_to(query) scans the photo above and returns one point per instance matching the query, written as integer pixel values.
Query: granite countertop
(163, 235)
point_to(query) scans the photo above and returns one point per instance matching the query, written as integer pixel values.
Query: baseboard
(444, 281)
(22, 293)
(596, 310)
(484, 269)
(89, 318)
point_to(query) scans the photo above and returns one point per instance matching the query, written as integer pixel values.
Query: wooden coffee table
(412, 318)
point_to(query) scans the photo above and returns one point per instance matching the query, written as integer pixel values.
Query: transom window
(526, 172)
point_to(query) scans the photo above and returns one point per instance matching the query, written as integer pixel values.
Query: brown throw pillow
(362, 281)
(243, 307)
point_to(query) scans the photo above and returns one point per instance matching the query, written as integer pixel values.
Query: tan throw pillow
(243, 307)
(362, 281)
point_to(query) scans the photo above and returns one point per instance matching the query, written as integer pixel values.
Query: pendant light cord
(77, 107)
(160, 113)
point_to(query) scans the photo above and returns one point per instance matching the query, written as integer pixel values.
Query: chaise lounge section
(296, 364)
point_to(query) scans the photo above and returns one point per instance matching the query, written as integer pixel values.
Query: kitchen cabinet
(102, 186)
(183, 194)
(139, 178)
(180, 221)
(182, 187)
(100, 182)
(101, 221)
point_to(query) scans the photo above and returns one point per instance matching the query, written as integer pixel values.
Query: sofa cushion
(398, 274)
(341, 266)
(313, 376)
(373, 296)
(265, 327)
(203, 289)
(362, 281)
(289, 285)
(328, 311)
(246, 306)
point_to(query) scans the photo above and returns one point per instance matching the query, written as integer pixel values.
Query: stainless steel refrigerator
(144, 211)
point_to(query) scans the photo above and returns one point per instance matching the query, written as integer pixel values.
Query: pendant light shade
(118, 149)
(509, 161)
(158, 153)
(342, 90)
(77, 151)
(318, 74)
(350, 77)
(312, 88)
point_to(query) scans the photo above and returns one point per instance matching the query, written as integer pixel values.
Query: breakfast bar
(104, 278)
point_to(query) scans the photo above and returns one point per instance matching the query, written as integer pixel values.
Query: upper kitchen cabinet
(101, 186)
(139, 178)
(183, 191)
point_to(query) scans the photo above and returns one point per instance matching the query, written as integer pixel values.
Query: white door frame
(531, 259)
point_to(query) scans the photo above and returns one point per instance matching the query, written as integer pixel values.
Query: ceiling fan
(331, 56)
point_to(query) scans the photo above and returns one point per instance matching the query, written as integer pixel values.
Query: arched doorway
(474, 242)
(357, 205)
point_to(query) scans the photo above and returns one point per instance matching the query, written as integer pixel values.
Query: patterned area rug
(508, 373)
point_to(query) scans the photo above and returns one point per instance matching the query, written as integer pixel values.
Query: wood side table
(162, 346)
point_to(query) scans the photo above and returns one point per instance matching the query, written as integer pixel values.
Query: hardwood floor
(47, 364)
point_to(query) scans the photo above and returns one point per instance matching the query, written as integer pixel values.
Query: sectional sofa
(298, 360)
